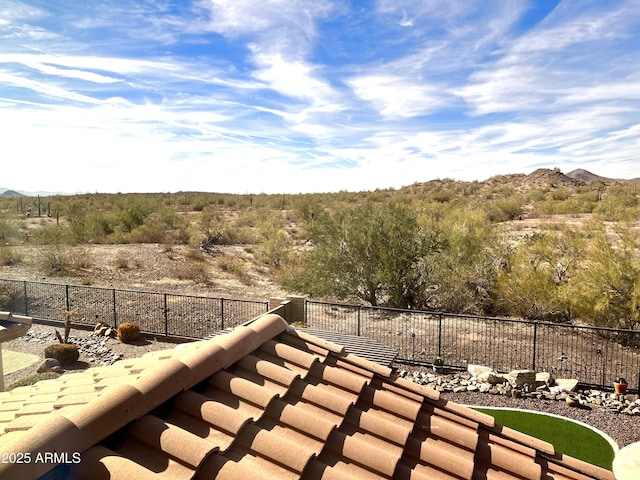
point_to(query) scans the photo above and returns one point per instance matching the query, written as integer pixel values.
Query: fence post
(26, 299)
(66, 292)
(535, 343)
(440, 335)
(166, 316)
(222, 314)
(115, 314)
(359, 310)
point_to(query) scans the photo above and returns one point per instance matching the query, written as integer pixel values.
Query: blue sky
(282, 96)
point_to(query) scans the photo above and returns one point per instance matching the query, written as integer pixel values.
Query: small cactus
(65, 353)
(128, 332)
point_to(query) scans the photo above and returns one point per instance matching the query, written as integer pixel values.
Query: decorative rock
(545, 378)
(476, 370)
(49, 365)
(564, 385)
(566, 389)
(572, 401)
(489, 376)
(484, 387)
(518, 378)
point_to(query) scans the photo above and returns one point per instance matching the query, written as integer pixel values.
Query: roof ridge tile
(324, 344)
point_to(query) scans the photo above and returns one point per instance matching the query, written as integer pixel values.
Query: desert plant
(65, 353)
(61, 259)
(275, 248)
(369, 252)
(195, 270)
(9, 256)
(121, 261)
(234, 266)
(128, 332)
(606, 289)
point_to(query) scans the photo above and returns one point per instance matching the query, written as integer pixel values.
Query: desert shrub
(33, 379)
(234, 266)
(128, 332)
(52, 235)
(99, 226)
(619, 204)
(55, 259)
(61, 259)
(132, 215)
(193, 254)
(65, 353)
(504, 209)
(152, 231)
(560, 194)
(121, 261)
(275, 248)
(9, 256)
(442, 195)
(536, 282)
(9, 229)
(606, 290)
(194, 270)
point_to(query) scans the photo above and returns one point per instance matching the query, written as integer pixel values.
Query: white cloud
(398, 97)
(292, 95)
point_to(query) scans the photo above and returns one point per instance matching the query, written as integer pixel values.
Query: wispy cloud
(291, 95)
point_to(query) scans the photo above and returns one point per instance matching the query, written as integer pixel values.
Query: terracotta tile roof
(263, 401)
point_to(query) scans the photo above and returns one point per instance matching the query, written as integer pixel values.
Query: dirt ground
(232, 272)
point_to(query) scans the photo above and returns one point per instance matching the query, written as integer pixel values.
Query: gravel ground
(624, 429)
(40, 336)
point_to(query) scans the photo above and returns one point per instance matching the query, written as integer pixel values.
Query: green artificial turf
(567, 437)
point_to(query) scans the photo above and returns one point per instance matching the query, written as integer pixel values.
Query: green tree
(369, 252)
(536, 284)
(466, 266)
(607, 288)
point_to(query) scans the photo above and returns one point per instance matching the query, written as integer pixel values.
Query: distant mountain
(6, 192)
(588, 177)
(11, 193)
(546, 176)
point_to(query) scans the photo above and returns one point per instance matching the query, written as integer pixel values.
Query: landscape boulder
(476, 370)
(564, 385)
(519, 378)
(545, 378)
(50, 365)
(490, 377)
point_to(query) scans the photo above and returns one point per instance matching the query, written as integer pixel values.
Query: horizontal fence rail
(155, 312)
(593, 355)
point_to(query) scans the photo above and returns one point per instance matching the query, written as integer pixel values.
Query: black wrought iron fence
(595, 356)
(155, 312)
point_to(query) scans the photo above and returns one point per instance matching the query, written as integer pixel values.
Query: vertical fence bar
(222, 314)
(440, 335)
(166, 315)
(26, 299)
(535, 342)
(115, 314)
(359, 330)
(66, 294)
